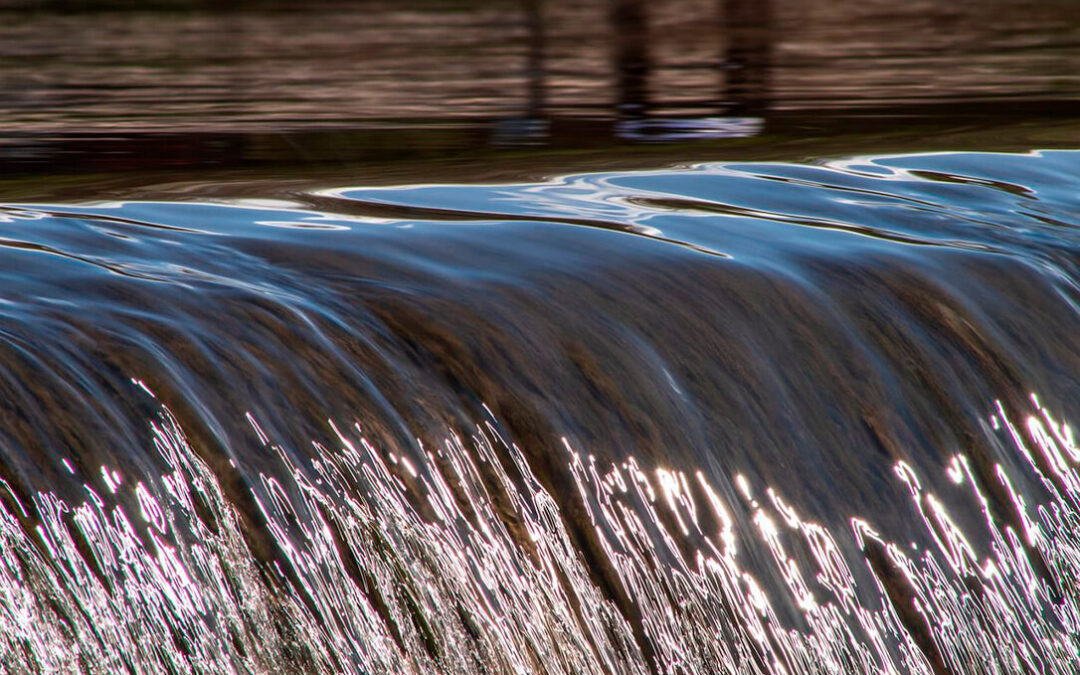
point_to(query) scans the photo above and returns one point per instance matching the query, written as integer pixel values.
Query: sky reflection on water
(278, 396)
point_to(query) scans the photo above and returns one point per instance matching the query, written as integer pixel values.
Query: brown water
(389, 91)
(272, 66)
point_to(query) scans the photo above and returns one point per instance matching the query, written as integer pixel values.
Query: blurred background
(376, 87)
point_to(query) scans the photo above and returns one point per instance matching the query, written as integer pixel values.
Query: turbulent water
(746, 418)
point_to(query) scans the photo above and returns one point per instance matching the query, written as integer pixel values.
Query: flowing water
(560, 374)
(734, 417)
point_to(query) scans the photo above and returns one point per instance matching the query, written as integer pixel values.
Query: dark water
(515, 337)
(753, 417)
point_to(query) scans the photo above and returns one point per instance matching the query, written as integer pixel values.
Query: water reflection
(342, 82)
(744, 65)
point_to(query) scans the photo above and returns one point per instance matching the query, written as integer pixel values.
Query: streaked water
(730, 417)
(398, 90)
(117, 66)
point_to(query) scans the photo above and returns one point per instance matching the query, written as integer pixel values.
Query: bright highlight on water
(370, 584)
(741, 417)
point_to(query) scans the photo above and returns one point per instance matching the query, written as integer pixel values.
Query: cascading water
(745, 418)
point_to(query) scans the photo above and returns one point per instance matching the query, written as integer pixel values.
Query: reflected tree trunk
(528, 126)
(534, 68)
(629, 22)
(747, 57)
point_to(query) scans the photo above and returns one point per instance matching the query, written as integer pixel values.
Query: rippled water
(731, 417)
(95, 87)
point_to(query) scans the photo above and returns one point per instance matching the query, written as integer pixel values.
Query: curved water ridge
(725, 418)
(965, 200)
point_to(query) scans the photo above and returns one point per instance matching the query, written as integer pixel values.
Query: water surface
(513, 337)
(733, 416)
